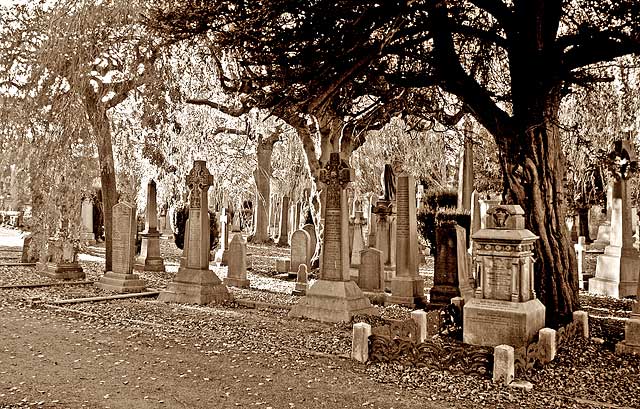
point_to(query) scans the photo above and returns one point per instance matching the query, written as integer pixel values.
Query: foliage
(430, 218)
(437, 198)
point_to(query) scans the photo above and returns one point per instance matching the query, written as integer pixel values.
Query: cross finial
(197, 180)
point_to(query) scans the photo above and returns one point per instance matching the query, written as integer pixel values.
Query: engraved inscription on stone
(122, 239)
(498, 272)
(402, 198)
(332, 260)
(195, 239)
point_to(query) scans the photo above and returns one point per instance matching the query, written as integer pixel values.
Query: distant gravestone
(223, 252)
(451, 273)
(120, 279)
(301, 250)
(313, 239)
(302, 280)
(195, 283)
(237, 271)
(371, 273)
(358, 239)
(150, 258)
(86, 230)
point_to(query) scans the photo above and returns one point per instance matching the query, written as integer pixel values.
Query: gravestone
(121, 279)
(195, 283)
(237, 271)
(29, 253)
(334, 297)
(604, 229)
(505, 310)
(580, 248)
(617, 269)
(302, 280)
(86, 228)
(222, 255)
(451, 273)
(283, 239)
(301, 251)
(150, 258)
(371, 275)
(407, 287)
(465, 172)
(62, 261)
(358, 239)
(313, 239)
(385, 238)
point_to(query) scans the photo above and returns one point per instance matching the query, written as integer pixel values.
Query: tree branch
(235, 111)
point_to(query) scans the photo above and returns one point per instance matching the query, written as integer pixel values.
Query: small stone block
(547, 339)
(458, 302)
(582, 319)
(503, 364)
(282, 265)
(420, 318)
(360, 342)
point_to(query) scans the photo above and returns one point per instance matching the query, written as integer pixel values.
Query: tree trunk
(533, 179)
(102, 129)
(262, 176)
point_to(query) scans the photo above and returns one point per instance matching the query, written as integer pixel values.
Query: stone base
(332, 301)
(149, 264)
(631, 343)
(236, 282)
(300, 289)
(121, 283)
(61, 271)
(221, 257)
(602, 239)
(407, 291)
(192, 286)
(616, 276)
(376, 297)
(496, 322)
(88, 238)
(441, 295)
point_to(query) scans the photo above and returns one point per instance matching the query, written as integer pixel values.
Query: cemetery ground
(140, 353)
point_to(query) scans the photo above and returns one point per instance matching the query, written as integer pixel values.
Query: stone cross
(197, 239)
(336, 175)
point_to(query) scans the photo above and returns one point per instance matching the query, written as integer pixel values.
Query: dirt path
(58, 359)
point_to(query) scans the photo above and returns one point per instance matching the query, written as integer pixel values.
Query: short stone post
(547, 340)
(360, 342)
(420, 318)
(503, 364)
(581, 318)
(302, 280)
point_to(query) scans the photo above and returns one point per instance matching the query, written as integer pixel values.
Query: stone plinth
(121, 279)
(631, 343)
(195, 283)
(62, 261)
(505, 309)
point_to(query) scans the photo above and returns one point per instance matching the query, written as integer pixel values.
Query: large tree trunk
(533, 179)
(262, 176)
(102, 129)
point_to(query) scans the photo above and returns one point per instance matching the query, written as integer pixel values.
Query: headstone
(580, 249)
(505, 309)
(333, 297)
(237, 271)
(28, 251)
(302, 280)
(150, 258)
(301, 250)
(476, 219)
(222, 255)
(121, 279)
(385, 239)
(451, 276)
(604, 229)
(283, 265)
(313, 239)
(86, 228)
(195, 283)
(283, 239)
(407, 288)
(62, 261)
(358, 239)
(371, 275)
(617, 269)
(235, 224)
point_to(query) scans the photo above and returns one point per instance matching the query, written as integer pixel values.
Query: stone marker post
(407, 288)
(195, 283)
(86, 230)
(237, 271)
(334, 297)
(150, 258)
(121, 279)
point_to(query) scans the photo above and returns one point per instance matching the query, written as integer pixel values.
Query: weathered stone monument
(62, 261)
(121, 279)
(617, 269)
(358, 239)
(465, 172)
(222, 255)
(301, 250)
(334, 297)
(237, 270)
(505, 309)
(150, 258)
(371, 275)
(451, 275)
(631, 343)
(195, 283)
(407, 287)
(385, 230)
(283, 238)
(86, 227)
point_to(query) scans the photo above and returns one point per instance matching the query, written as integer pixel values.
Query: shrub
(437, 198)
(180, 222)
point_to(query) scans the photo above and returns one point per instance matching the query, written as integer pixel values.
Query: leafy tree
(507, 63)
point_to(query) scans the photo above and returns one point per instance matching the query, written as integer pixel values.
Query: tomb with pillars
(195, 283)
(505, 309)
(334, 297)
